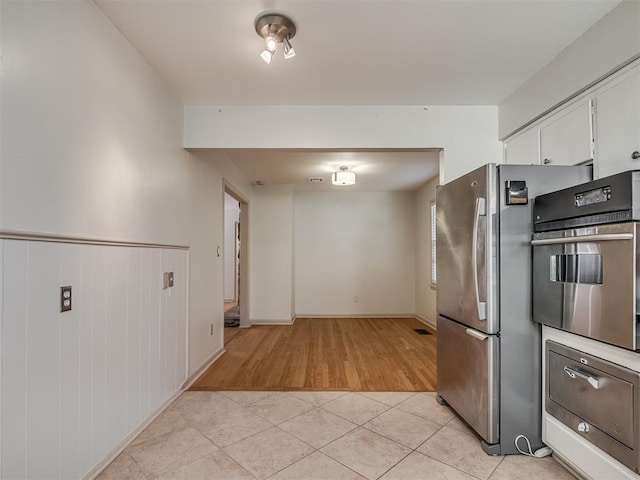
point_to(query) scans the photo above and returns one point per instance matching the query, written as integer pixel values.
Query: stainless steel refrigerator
(489, 349)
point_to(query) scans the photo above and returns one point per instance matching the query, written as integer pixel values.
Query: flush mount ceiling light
(343, 177)
(275, 29)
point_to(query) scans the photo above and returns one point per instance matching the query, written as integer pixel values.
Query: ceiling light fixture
(343, 177)
(275, 29)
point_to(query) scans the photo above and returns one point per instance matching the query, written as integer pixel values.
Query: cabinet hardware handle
(635, 155)
(546, 161)
(594, 382)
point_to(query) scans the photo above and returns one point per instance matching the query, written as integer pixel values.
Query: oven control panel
(597, 195)
(613, 199)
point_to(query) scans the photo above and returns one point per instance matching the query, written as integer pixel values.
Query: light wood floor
(364, 354)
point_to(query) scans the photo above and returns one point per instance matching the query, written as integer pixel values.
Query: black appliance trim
(586, 221)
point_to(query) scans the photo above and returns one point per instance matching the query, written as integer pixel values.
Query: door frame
(243, 284)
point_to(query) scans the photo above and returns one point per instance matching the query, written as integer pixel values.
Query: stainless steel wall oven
(585, 260)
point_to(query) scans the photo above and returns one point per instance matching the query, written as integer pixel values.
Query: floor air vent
(422, 331)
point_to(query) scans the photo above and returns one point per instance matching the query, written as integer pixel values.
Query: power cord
(540, 453)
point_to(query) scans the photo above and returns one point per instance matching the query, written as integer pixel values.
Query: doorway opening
(231, 261)
(234, 261)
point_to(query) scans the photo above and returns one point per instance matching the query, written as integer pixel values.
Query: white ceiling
(375, 170)
(350, 52)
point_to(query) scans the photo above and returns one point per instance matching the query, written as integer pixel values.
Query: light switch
(167, 280)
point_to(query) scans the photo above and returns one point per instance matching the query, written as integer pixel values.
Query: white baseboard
(427, 321)
(202, 368)
(349, 315)
(268, 321)
(97, 470)
(263, 321)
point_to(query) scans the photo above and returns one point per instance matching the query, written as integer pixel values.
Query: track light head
(266, 55)
(289, 52)
(271, 44)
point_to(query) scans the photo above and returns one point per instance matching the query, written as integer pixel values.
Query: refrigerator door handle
(480, 210)
(476, 334)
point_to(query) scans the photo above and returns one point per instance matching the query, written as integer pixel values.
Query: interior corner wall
(271, 250)
(425, 292)
(607, 45)
(354, 253)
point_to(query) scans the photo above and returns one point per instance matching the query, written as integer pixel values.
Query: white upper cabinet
(523, 149)
(600, 124)
(566, 138)
(617, 127)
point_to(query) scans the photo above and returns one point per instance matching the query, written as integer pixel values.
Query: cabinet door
(566, 140)
(524, 149)
(618, 127)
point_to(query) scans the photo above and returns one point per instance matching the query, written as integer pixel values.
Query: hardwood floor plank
(334, 354)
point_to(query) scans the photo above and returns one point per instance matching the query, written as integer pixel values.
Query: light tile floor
(316, 436)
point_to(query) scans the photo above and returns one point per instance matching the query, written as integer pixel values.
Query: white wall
(354, 244)
(204, 234)
(92, 147)
(611, 42)
(425, 294)
(468, 135)
(231, 216)
(271, 286)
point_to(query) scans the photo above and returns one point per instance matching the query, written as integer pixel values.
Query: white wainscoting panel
(76, 384)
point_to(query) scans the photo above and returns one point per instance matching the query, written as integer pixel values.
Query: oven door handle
(602, 237)
(594, 382)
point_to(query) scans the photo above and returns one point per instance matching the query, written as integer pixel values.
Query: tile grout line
(376, 416)
(189, 425)
(497, 466)
(292, 464)
(394, 465)
(445, 463)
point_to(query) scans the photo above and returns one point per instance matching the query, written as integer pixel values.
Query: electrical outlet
(65, 299)
(211, 329)
(355, 299)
